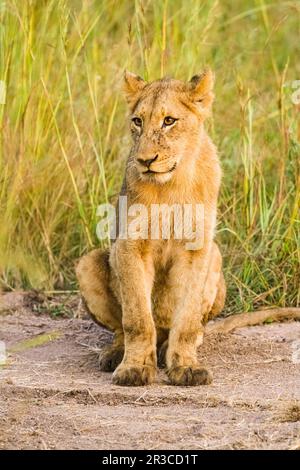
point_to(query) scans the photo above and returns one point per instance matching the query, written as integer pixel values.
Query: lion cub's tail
(225, 325)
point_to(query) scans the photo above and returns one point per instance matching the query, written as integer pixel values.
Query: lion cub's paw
(189, 376)
(110, 358)
(134, 375)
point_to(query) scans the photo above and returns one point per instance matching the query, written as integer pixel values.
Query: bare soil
(53, 395)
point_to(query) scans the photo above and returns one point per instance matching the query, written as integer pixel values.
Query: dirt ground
(53, 396)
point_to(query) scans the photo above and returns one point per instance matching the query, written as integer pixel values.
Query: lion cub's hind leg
(111, 356)
(219, 302)
(161, 354)
(162, 346)
(93, 273)
(215, 289)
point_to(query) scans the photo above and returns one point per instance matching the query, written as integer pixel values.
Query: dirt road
(54, 397)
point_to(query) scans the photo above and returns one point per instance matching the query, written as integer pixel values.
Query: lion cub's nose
(147, 162)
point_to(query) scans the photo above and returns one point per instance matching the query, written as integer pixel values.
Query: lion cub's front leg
(135, 278)
(186, 334)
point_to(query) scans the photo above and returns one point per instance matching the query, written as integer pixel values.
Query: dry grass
(64, 138)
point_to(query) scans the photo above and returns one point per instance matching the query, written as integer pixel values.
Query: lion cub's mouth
(152, 172)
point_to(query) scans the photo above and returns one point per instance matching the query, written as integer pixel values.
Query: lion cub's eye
(137, 121)
(169, 120)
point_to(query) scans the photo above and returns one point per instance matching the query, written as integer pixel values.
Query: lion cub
(155, 294)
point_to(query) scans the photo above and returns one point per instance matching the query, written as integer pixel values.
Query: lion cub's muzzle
(147, 162)
(154, 166)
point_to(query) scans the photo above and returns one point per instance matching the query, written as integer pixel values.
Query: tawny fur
(156, 295)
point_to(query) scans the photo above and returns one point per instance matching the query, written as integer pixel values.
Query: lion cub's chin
(157, 178)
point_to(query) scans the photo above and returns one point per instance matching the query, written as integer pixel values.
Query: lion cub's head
(166, 123)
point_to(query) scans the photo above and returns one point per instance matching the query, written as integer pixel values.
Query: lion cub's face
(166, 123)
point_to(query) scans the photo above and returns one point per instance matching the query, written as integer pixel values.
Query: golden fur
(156, 295)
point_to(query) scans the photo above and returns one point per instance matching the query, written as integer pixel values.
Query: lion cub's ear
(201, 88)
(133, 86)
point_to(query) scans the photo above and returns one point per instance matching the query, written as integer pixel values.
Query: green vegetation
(64, 136)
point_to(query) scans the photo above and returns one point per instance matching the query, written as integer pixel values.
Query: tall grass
(64, 138)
